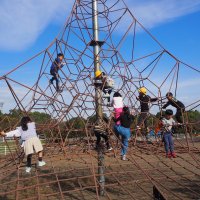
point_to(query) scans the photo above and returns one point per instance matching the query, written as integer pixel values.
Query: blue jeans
(125, 133)
(168, 141)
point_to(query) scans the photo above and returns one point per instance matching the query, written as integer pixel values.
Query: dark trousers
(29, 158)
(55, 77)
(179, 115)
(107, 90)
(143, 119)
(168, 141)
(104, 136)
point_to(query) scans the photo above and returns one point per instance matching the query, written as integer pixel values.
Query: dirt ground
(72, 173)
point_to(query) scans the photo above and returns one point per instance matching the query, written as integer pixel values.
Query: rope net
(133, 58)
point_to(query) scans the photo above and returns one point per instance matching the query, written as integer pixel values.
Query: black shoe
(50, 81)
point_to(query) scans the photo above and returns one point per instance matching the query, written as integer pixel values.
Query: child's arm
(154, 99)
(165, 105)
(11, 133)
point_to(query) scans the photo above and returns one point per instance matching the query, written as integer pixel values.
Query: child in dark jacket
(126, 119)
(177, 104)
(144, 106)
(56, 65)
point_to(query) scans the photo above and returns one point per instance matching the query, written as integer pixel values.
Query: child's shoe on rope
(28, 169)
(124, 157)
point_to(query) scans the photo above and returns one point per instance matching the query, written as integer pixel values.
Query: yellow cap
(98, 73)
(142, 90)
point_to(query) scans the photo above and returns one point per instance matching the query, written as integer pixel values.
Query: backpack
(110, 82)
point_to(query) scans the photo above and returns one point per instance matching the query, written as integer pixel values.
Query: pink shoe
(173, 155)
(168, 155)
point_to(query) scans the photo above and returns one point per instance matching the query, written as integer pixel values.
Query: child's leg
(106, 140)
(123, 151)
(40, 155)
(166, 142)
(171, 143)
(29, 158)
(179, 116)
(125, 138)
(57, 81)
(98, 138)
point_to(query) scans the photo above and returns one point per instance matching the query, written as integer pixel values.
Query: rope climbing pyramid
(69, 104)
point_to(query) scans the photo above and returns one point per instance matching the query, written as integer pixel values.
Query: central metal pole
(98, 93)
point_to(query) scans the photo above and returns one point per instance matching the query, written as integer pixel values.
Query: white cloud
(153, 12)
(22, 21)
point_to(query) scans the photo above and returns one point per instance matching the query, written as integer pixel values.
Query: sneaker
(28, 169)
(50, 81)
(173, 155)
(168, 155)
(109, 149)
(138, 128)
(124, 157)
(41, 163)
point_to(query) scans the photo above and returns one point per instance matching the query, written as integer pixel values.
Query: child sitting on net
(167, 124)
(30, 141)
(104, 82)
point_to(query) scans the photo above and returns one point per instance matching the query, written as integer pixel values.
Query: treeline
(78, 124)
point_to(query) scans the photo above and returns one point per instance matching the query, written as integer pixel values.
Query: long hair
(24, 122)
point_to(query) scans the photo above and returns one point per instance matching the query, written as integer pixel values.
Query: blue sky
(28, 26)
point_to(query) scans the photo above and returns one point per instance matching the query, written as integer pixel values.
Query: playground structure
(100, 35)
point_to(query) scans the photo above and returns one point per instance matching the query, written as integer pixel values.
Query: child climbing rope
(56, 65)
(177, 104)
(144, 106)
(30, 141)
(117, 104)
(126, 119)
(105, 82)
(101, 131)
(167, 124)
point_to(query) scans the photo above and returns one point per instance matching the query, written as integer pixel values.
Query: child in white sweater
(30, 141)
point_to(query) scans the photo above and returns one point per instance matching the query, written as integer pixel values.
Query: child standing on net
(144, 106)
(126, 120)
(167, 123)
(31, 143)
